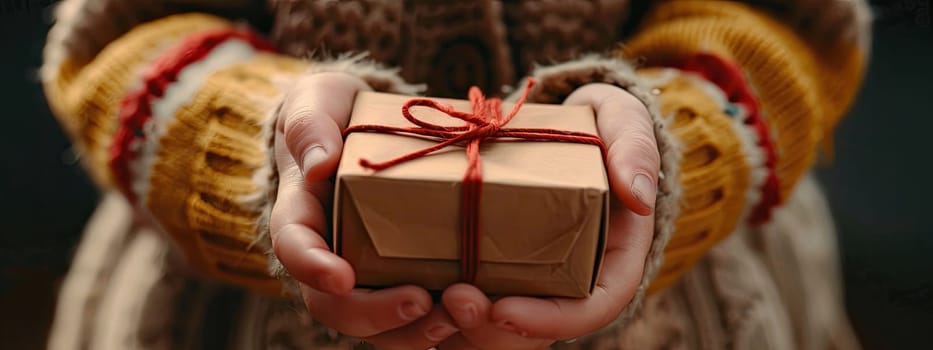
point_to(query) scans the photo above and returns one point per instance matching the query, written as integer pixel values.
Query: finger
(421, 334)
(312, 117)
(562, 318)
(296, 225)
(470, 309)
(467, 305)
(365, 313)
(628, 131)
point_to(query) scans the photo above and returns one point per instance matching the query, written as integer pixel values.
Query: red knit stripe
(729, 78)
(135, 109)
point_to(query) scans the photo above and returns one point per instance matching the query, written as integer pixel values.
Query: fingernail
(439, 332)
(469, 314)
(312, 157)
(644, 190)
(410, 311)
(509, 327)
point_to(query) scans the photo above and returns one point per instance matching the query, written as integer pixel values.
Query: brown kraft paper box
(543, 208)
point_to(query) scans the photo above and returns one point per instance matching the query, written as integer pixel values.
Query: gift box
(530, 221)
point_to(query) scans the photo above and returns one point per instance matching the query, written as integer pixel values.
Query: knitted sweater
(174, 106)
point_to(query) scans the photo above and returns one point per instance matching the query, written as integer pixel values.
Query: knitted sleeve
(177, 114)
(741, 100)
(750, 99)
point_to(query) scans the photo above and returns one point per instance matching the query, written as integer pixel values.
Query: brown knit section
(543, 32)
(451, 45)
(86, 98)
(322, 29)
(204, 186)
(454, 45)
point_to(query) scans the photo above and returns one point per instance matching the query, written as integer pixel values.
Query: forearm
(185, 139)
(769, 98)
(177, 114)
(93, 51)
(732, 145)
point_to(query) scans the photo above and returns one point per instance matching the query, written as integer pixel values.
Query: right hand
(308, 144)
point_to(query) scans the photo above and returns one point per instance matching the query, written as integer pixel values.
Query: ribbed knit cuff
(557, 82)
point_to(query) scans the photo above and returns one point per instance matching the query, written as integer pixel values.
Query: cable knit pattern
(321, 29)
(547, 31)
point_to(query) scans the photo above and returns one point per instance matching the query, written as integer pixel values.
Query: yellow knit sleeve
(802, 90)
(199, 167)
(177, 114)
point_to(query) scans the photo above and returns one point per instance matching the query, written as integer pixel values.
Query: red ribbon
(484, 122)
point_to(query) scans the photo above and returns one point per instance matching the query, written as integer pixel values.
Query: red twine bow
(484, 122)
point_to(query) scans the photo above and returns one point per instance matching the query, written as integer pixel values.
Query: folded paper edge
(344, 192)
(601, 245)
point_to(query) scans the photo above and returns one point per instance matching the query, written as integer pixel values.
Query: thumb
(627, 129)
(312, 118)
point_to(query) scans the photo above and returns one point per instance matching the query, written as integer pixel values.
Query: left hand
(308, 145)
(535, 323)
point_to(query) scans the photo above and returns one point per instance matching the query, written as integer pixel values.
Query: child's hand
(535, 323)
(308, 143)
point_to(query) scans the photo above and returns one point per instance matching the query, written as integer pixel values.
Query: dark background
(880, 185)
